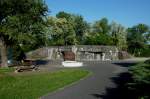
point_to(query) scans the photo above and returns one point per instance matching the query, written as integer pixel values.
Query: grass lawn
(35, 85)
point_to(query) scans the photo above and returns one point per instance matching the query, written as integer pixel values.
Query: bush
(147, 61)
(145, 52)
(140, 85)
(141, 52)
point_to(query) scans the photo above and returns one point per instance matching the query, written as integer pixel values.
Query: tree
(101, 26)
(136, 38)
(61, 32)
(119, 35)
(97, 39)
(65, 15)
(80, 26)
(99, 34)
(19, 22)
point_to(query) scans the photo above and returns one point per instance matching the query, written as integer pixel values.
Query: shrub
(145, 52)
(142, 52)
(147, 61)
(140, 85)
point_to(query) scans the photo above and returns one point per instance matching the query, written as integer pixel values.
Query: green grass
(6, 70)
(38, 84)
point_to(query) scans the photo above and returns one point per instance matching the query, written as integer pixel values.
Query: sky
(125, 12)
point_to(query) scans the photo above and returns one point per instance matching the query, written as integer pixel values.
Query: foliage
(77, 23)
(17, 53)
(137, 38)
(99, 34)
(118, 34)
(101, 26)
(66, 29)
(20, 22)
(98, 39)
(60, 32)
(133, 39)
(81, 28)
(33, 86)
(147, 37)
(140, 85)
(65, 15)
(104, 33)
(145, 52)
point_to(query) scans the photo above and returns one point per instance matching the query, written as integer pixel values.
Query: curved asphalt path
(96, 86)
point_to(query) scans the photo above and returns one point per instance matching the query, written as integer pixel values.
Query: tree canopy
(137, 38)
(101, 32)
(20, 21)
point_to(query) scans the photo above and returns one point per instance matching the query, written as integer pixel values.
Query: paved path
(100, 85)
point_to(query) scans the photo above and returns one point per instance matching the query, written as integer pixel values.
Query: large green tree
(60, 32)
(80, 26)
(101, 26)
(99, 34)
(119, 35)
(65, 15)
(98, 39)
(137, 38)
(20, 21)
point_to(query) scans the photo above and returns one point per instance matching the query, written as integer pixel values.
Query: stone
(78, 53)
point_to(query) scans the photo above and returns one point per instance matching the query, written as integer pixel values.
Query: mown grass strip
(36, 85)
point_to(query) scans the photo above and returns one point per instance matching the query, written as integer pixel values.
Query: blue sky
(125, 12)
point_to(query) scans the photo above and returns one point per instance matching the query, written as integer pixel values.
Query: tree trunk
(3, 53)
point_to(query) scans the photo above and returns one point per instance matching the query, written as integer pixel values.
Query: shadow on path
(125, 64)
(120, 91)
(42, 62)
